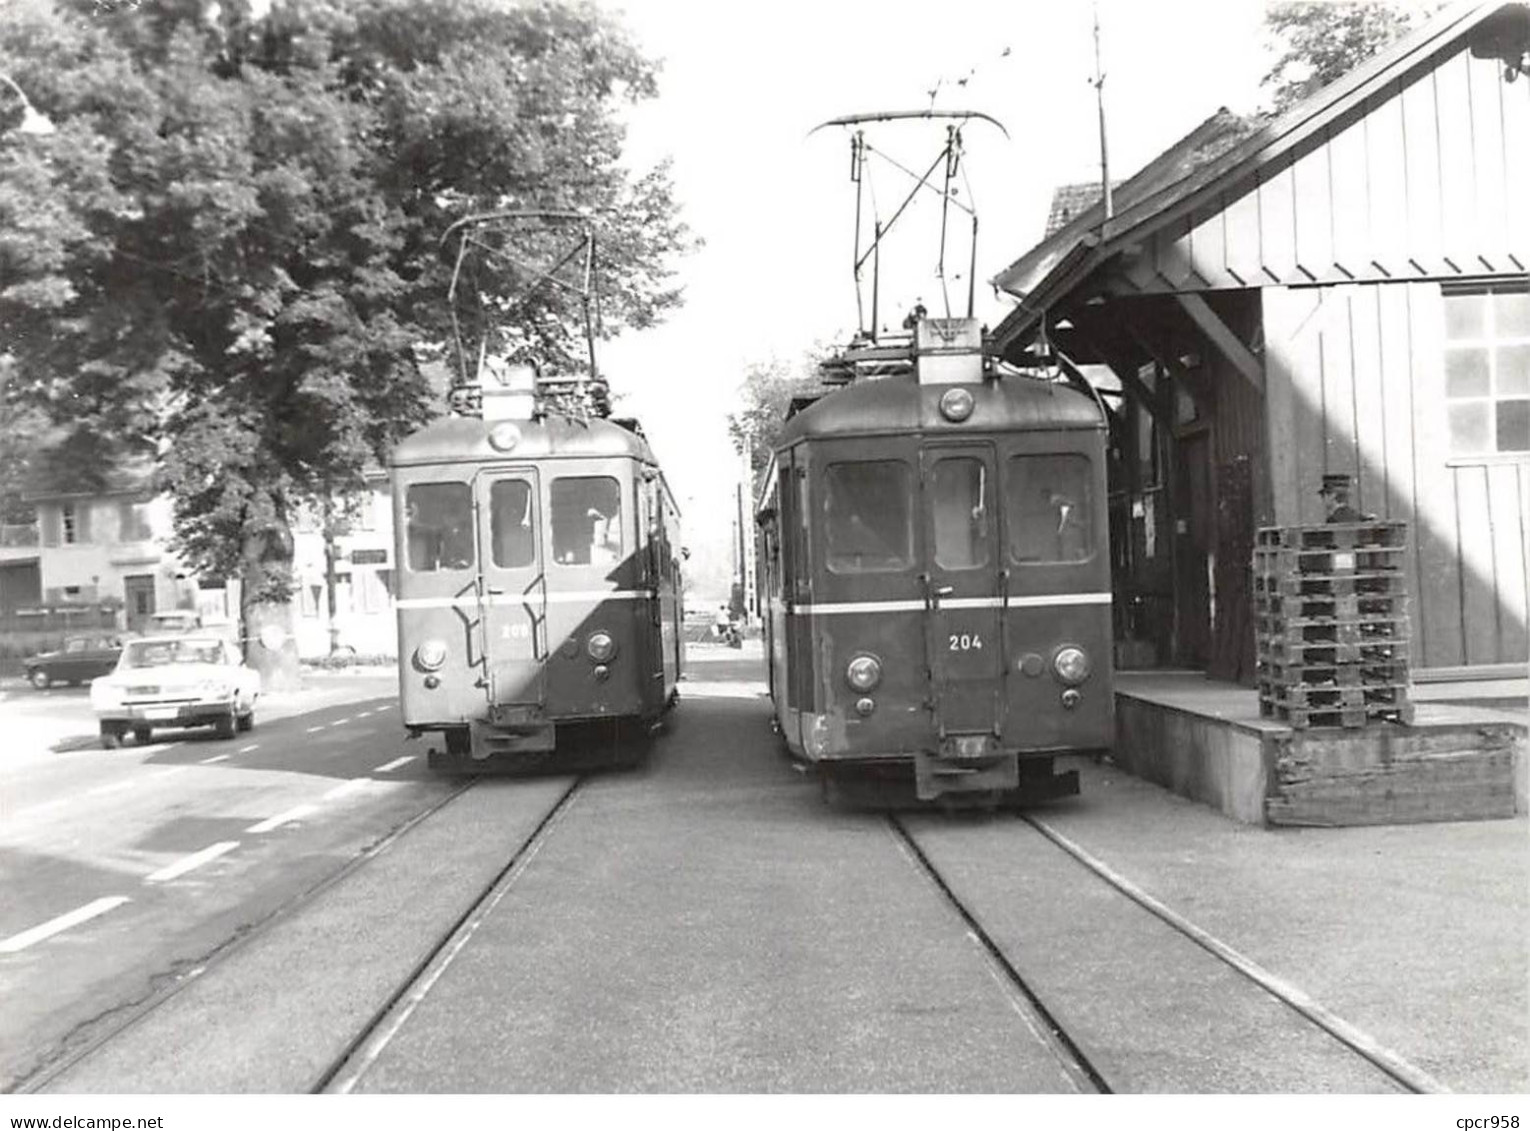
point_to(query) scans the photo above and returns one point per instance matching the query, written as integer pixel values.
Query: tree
(766, 393)
(1322, 42)
(229, 255)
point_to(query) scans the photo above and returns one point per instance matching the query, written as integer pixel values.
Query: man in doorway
(1335, 493)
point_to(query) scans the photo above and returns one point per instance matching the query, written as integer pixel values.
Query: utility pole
(747, 529)
(1099, 94)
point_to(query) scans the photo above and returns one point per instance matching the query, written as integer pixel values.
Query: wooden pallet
(1352, 674)
(1336, 585)
(1334, 536)
(1365, 630)
(1277, 650)
(1302, 718)
(1342, 606)
(1328, 563)
(1320, 698)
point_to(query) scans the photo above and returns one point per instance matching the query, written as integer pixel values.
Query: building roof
(64, 473)
(1219, 153)
(1069, 202)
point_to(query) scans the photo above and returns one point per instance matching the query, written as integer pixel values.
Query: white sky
(742, 85)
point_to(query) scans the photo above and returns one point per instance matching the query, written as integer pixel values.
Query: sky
(742, 85)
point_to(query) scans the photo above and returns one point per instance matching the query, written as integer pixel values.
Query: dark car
(80, 660)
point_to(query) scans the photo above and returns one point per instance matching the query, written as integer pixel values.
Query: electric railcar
(538, 587)
(937, 577)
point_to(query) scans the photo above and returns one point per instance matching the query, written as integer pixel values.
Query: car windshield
(162, 653)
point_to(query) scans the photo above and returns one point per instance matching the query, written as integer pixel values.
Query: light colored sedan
(181, 680)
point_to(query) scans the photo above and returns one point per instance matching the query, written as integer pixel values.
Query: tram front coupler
(965, 763)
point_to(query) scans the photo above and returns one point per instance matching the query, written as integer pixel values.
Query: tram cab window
(1050, 512)
(959, 513)
(510, 527)
(586, 520)
(867, 527)
(439, 520)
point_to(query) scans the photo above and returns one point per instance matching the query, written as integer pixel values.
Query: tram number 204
(964, 642)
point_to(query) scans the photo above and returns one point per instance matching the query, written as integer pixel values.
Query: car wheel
(110, 739)
(141, 735)
(40, 679)
(246, 721)
(226, 727)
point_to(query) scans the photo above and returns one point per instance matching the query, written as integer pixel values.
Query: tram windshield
(439, 520)
(1050, 513)
(586, 520)
(959, 513)
(511, 530)
(867, 525)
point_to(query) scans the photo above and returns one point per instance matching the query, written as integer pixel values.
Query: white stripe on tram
(1034, 601)
(517, 600)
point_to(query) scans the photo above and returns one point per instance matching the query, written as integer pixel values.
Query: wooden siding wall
(1355, 382)
(1429, 178)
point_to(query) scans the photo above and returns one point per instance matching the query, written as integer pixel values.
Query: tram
(538, 572)
(937, 577)
(934, 548)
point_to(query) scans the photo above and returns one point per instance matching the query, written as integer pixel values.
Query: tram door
(963, 567)
(513, 590)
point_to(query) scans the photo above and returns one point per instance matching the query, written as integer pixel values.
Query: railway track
(1069, 1048)
(719, 867)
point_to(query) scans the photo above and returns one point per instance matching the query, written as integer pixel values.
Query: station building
(1344, 288)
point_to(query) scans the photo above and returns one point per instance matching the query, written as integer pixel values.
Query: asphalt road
(175, 848)
(708, 923)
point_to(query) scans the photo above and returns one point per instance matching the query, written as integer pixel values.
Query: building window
(134, 521)
(71, 524)
(1487, 371)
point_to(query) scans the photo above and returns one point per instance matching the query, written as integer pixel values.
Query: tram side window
(586, 520)
(1050, 512)
(866, 516)
(439, 517)
(959, 513)
(510, 526)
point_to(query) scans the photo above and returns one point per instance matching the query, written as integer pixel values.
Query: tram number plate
(964, 642)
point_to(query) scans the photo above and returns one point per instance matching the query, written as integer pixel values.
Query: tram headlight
(601, 647)
(430, 655)
(956, 405)
(1071, 664)
(864, 673)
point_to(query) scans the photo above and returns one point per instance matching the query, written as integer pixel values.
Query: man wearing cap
(1335, 495)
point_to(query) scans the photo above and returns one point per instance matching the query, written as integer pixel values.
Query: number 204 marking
(965, 642)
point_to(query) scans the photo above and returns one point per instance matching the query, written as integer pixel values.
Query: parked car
(179, 680)
(80, 660)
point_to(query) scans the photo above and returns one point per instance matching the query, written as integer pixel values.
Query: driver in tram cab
(605, 538)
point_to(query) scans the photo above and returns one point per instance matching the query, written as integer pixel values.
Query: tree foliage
(1319, 42)
(765, 394)
(229, 255)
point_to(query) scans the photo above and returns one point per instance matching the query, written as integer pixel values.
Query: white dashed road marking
(341, 722)
(62, 923)
(115, 787)
(169, 772)
(363, 714)
(195, 860)
(251, 746)
(314, 730)
(215, 758)
(345, 788)
(296, 813)
(395, 764)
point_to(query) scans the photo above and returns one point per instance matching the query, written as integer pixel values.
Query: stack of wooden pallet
(1331, 623)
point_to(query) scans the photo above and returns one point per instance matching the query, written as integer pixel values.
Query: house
(107, 546)
(1342, 289)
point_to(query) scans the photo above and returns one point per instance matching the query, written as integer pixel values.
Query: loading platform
(1462, 757)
